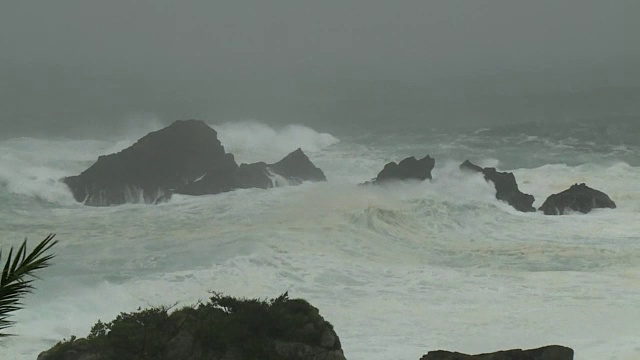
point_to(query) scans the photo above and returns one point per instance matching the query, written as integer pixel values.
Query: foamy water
(398, 270)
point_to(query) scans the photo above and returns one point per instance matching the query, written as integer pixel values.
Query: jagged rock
(255, 175)
(578, 197)
(293, 169)
(407, 169)
(224, 329)
(552, 352)
(506, 186)
(296, 168)
(186, 158)
(148, 170)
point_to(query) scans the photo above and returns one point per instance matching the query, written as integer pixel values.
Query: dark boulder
(552, 352)
(293, 169)
(578, 197)
(506, 186)
(185, 158)
(156, 164)
(255, 175)
(296, 168)
(407, 169)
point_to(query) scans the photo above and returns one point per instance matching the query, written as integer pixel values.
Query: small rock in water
(408, 169)
(552, 352)
(578, 197)
(506, 186)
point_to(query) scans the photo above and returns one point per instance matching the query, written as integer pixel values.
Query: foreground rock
(223, 329)
(506, 186)
(578, 197)
(407, 169)
(185, 157)
(553, 352)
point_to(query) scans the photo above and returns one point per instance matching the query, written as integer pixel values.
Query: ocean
(398, 270)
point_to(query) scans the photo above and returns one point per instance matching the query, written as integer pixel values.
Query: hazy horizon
(75, 68)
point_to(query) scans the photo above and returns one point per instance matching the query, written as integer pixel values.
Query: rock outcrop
(407, 169)
(255, 175)
(157, 163)
(293, 169)
(506, 186)
(186, 158)
(552, 352)
(578, 197)
(224, 329)
(296, 168)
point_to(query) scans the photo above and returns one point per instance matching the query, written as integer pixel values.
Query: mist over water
(331, 65)
(549, 90)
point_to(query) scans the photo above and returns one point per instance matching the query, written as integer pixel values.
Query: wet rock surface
(578, 197)
(186, 158)
(408, 169)
(552, 352)
(506, 186)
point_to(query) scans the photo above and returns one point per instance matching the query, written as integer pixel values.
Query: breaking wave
(251, 141)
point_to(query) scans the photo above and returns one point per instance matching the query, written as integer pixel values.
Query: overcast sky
(68, 66)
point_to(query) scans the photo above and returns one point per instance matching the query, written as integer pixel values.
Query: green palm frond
(18, 275)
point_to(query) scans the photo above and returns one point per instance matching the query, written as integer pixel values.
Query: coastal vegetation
(222, 328)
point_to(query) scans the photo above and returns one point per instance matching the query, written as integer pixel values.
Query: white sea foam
(34, 167)
(399, 270)
(252, 141)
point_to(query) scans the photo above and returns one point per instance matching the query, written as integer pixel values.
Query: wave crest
(252, 141)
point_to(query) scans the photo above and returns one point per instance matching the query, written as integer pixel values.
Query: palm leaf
(18, 274)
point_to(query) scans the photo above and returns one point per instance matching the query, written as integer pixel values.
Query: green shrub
(246, 326)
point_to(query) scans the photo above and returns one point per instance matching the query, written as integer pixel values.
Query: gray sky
(67, 67)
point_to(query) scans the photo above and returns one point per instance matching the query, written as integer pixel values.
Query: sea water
(398, 270)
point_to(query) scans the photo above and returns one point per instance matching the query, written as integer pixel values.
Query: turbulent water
(398, 270)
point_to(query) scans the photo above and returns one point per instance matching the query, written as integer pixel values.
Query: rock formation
(407, 169)
(155, 164)
(578, 197)
(293, 169)
(552, 352)
(185, 157)
(223, 329)
(296, 168)
(506, 186)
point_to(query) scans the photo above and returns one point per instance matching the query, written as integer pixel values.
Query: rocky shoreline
(187, 158)
(227, 328)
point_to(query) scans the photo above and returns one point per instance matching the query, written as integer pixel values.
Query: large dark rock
(186, 158)
(224, 329)
(578, 197)
(506, 186)
(407, 169)
(156, 164)
(552, 352)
